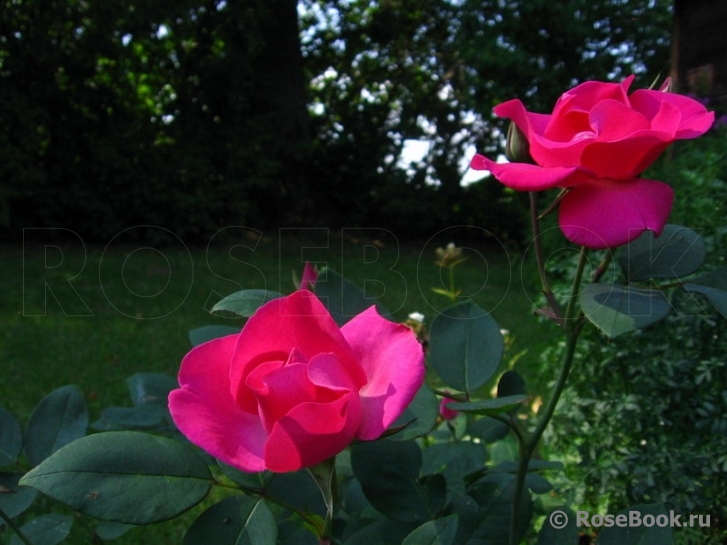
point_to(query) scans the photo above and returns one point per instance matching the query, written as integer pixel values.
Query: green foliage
(466, 346)
(129, 477)
(640, 419)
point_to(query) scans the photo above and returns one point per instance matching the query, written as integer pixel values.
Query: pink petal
(311, 433)
(695, 120)
(606, 214)
(585, 96)
(298, 321)
(525, 177)
(393, 361)
(613, 120)
(528, 122)
(205, 412)
(624, 159)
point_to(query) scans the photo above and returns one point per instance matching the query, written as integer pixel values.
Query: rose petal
(624, 159)
(205, 412)
(695, 119)
(298, 321)
(311, 433)
(393, 361)
(525, 177)
(606, 214)
(612, 120)
(528, 122)
(284, 388)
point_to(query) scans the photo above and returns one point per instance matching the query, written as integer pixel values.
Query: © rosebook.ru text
(635, 519)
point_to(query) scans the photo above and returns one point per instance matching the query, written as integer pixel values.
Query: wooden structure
(699, 54)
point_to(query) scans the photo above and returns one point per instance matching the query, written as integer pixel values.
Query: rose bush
(597, 142)
(292, 389)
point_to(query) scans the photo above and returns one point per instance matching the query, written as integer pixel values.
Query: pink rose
(597, 142)
(292, 389)
(444, 411)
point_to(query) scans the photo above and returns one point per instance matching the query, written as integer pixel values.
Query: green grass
(133, 306)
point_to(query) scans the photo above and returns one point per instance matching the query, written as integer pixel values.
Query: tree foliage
(198, 114)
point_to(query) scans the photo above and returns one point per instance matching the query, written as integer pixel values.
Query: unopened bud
(517, 147)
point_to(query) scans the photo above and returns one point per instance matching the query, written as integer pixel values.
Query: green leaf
(14, 499)
(494, 495)
(150, 388)
(297, 489)
(714, 286)
(616, 310)
(455, 461)
(140, 417)
(465, 346)
(559, 528)
(127, 476)
(677, 252)
(238, 520)
(343, 299)
(489, 407)
(246, 302)
(45, 530)
(60, 418)
(109, 530)
(511, 383)
(389, 476)
(380, 532)
(435, 532)
(11, 438)
(206, 333)
(641, 534)
(488, 430)
(256, 481)
(419, 417)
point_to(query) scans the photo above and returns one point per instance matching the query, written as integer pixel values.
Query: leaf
(60, 418)
(14, 499)
(297, 489)
(126, 476)
(343, 299)
(201, 335)
(45, 530)
(511, 383)
(616, 310)
(465, 346)
(633, 534)
(677, 252)
(435, 532)
(238, 520)
(256, 481)
(488, 430)
(108, 530)
(559, 528)
(714, 286)
(11, 438)
(140, 417)
(380, 532)
(489, 407)
(150, 388)
(455, 461)
(494, 494)
(419, 417)
(246, 302)
(389, 476)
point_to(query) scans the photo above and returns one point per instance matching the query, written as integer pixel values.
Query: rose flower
(596, 143)
(292, 389)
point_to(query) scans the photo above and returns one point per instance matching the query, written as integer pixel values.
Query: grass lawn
(94, 316)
